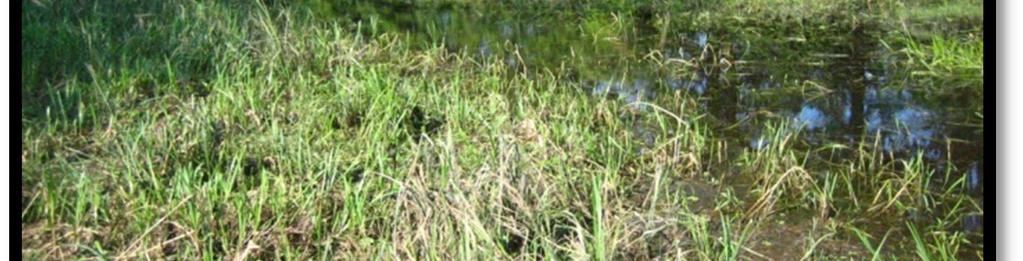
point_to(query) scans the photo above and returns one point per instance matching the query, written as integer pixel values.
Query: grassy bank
(227, 129)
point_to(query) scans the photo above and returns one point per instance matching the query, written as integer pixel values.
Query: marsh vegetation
(318, 129)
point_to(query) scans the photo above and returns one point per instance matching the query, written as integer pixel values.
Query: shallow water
(844, 92)
(857, 77)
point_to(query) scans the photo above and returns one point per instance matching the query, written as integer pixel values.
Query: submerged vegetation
(523, 130)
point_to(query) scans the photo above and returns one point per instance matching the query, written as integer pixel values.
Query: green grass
(949, 62)
(223, 129)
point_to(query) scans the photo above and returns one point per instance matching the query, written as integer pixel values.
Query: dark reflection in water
(724, 105)
(858, 58)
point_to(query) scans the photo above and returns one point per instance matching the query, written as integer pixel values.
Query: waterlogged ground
(844, 92)
(833, 131)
